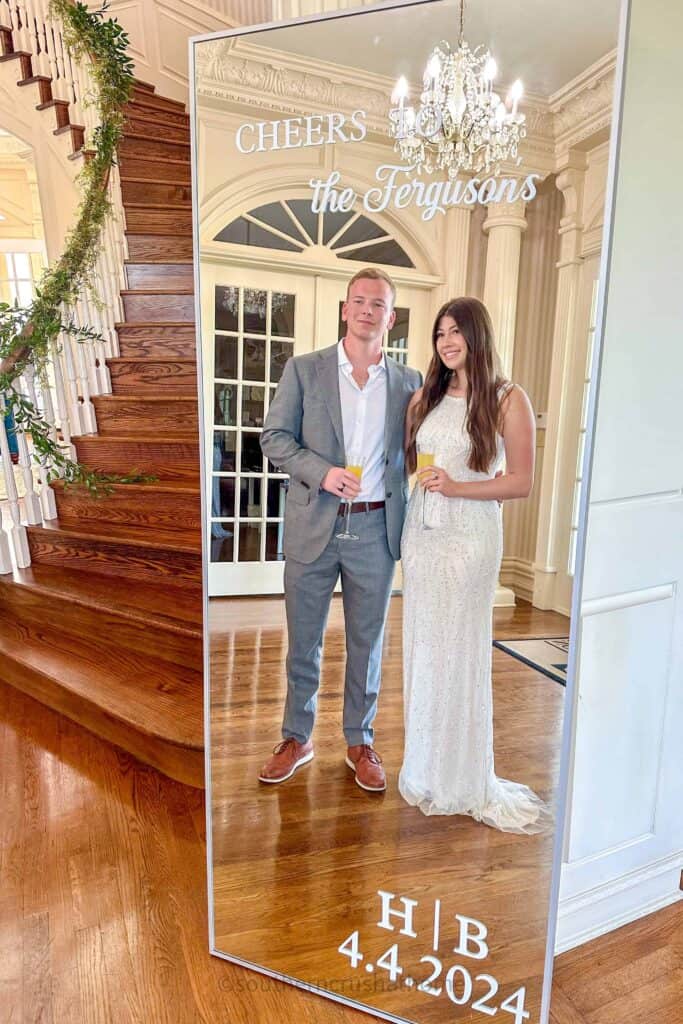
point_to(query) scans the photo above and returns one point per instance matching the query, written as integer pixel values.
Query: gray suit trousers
(367, 570)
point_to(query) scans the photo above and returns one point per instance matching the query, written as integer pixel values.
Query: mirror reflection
(395, 363)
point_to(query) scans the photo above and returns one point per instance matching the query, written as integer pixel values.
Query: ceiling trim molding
(288, 84)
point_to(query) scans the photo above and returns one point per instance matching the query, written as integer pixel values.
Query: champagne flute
(354, 464)
(425, 458)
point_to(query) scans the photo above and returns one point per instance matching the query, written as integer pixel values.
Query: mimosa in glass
(425, 458)
(354, 464)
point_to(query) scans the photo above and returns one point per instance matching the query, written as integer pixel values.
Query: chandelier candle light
(461, 123)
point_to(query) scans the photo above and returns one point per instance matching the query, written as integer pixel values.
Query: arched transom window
(292, 226)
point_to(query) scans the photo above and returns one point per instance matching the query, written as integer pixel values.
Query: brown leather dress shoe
(367, 764)
(287, 757)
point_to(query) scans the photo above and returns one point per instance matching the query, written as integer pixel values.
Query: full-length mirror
(399, 221)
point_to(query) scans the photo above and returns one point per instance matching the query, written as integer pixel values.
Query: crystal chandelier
(460, 123)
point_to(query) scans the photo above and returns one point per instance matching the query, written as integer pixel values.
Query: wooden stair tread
(163, 160)
(177, 207)
(189, 542)
(148, 398)
(146, 602)
(159, 700)
(151, 323)
(189, 437)
(166, 99)
(169, 487)
(176, 261)
(144, 181)
(149, 360)
(159, 291)
(148, 138)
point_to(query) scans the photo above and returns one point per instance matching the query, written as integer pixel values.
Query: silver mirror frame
(566, 753)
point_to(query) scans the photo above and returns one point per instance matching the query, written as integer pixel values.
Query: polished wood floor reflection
(103, 905)
(297, 867)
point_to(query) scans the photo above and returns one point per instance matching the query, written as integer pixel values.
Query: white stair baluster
(17, 532)
(61, 399)
(46, 494)
(32, 510)
(41, 62)
(21, 36)
(74, 408)
(7, 470)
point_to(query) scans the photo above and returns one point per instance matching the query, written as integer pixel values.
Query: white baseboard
(606, 907)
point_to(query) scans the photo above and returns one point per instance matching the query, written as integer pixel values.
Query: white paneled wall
(624, 839)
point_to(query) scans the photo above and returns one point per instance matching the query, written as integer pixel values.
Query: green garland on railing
(27, 334)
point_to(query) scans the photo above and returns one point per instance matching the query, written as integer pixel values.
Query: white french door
(253, 322)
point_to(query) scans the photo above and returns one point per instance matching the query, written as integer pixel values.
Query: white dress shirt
(363, 416)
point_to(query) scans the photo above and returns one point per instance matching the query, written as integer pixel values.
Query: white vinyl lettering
(471, 942)
(293, 133)
(314, 125)
(405, 915)
(238, 138)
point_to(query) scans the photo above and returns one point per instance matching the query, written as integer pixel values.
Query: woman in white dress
(472, 422)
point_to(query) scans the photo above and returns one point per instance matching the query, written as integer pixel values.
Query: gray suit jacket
(304, 436)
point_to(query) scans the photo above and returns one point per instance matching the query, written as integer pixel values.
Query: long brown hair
(483, 381)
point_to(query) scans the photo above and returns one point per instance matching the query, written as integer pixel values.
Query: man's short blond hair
(373, 274)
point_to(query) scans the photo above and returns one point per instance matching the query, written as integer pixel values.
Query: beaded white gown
(450, 574)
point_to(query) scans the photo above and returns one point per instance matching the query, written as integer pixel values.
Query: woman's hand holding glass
(437, 481)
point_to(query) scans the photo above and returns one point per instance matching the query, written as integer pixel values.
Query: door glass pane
(250, 498)
(275, 215)
(274, 542)
(225, 364)
(227, 305)
(275, 507)
(398, 335)
(252, 406)
(223, 497)
(255, 308)
(282, 315)
(254, 364)
(280, 351)
(225, 405)
(222, 542)
(301, 208)
(250, 542)
(224, 448)
(252, 456)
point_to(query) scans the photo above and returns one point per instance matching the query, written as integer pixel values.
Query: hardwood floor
(305, 872)
(103, 908)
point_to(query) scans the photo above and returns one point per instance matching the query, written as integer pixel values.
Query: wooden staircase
(106, 625)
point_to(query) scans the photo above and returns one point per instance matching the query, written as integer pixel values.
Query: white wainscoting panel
(623, 850)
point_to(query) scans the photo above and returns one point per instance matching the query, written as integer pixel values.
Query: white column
(504, 225)
(454, 254)
(570, 182)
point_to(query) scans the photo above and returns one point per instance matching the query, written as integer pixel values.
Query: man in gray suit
(347, 398)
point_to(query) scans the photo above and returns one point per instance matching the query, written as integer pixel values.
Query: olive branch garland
(28, 333)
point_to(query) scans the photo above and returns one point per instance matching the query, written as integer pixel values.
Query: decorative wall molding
(617, 902)
(518, 575)
(582, 109)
